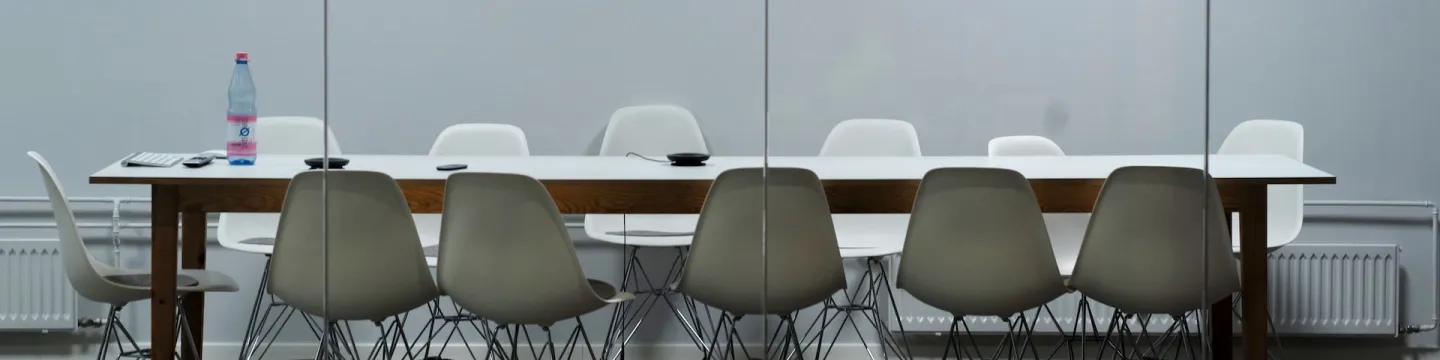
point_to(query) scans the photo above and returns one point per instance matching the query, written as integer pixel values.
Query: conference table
(630, 185)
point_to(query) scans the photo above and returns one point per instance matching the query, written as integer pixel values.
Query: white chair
(116, 287)
(1141, 255)
(462, 140)
(652, 131)
(1024, 145)
(507, 256)
(255, 233)
(977, 245)
(469, 140)
(374, 268)
(1066, 230)
(796, 264)
(481, 140)
(1286, 203)
(872, 137)
(870, 238)
(871, 235)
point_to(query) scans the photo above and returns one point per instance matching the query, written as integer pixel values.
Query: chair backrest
(279, 135)
(967, 226)
(293, 135)
(1286, 202)
(1153, 235)
(794, 233)
(652, 130)
(1066, 230)
(481, 140)
(368, 258)
(872, 137)
(505, 253)
(1024, 145)
(80, 268)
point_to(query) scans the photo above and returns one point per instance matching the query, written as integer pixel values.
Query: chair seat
(868, 252)
(186, 281)
(608, 292)
(642, 230)
(258, 245)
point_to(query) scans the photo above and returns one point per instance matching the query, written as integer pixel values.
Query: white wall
(84, 81)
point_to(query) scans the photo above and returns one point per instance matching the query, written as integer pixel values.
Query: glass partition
(1027, 108)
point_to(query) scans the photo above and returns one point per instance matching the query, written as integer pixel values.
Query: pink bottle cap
(242, 56)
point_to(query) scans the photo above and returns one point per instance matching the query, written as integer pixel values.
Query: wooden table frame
(191, 199)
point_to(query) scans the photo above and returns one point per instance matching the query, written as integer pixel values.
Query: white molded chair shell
(652, 130)
(278, 135)
(1286, 202)
(481, 140)
(99, 282)
(800, 252)
(872, 137)
(470, 140)
(294, 135)
(506, 256)
(869, 235)
(648, 130)
(1024, 145)
(1066, 230)
(374, 267)
(977, 244)
(1140, 253)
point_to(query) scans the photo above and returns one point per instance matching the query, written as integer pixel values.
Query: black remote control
(451, 167)
(198, 161)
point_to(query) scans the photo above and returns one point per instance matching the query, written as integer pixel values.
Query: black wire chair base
(866, 300)
(337, 342)
(578, 338)
(439, 321)
(627, 317)
(784, 343)
(262, 328)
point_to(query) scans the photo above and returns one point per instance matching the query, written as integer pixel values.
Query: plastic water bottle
(240, 145)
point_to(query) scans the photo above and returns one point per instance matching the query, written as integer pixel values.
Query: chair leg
(110, 321)
(627, 319)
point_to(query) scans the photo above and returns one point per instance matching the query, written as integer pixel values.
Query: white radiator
(34, 292)
(1315, 289)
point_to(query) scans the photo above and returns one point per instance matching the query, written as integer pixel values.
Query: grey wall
(85, 81)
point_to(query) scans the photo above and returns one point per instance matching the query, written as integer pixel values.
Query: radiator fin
(35, 292)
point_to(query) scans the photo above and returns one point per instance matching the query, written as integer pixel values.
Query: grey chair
(1144, 253)
(977, 245)
(506, 256)
(747, 262)
(96, 281)
(361, 262)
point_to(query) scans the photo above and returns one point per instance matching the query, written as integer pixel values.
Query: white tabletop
(1273, 168)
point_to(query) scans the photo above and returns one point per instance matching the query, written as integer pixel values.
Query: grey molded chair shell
(96, 281)
(506, 256)
(799, 249)
(977, 244)
(1146, 249)
(369, 259)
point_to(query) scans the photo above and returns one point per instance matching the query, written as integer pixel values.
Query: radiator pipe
(1434, 251)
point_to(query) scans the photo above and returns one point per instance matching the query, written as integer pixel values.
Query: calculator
(151, 159)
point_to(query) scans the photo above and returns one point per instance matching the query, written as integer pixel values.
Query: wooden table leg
(164, 222)
(1221, 330)
(193, 235)
(1254, 272)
